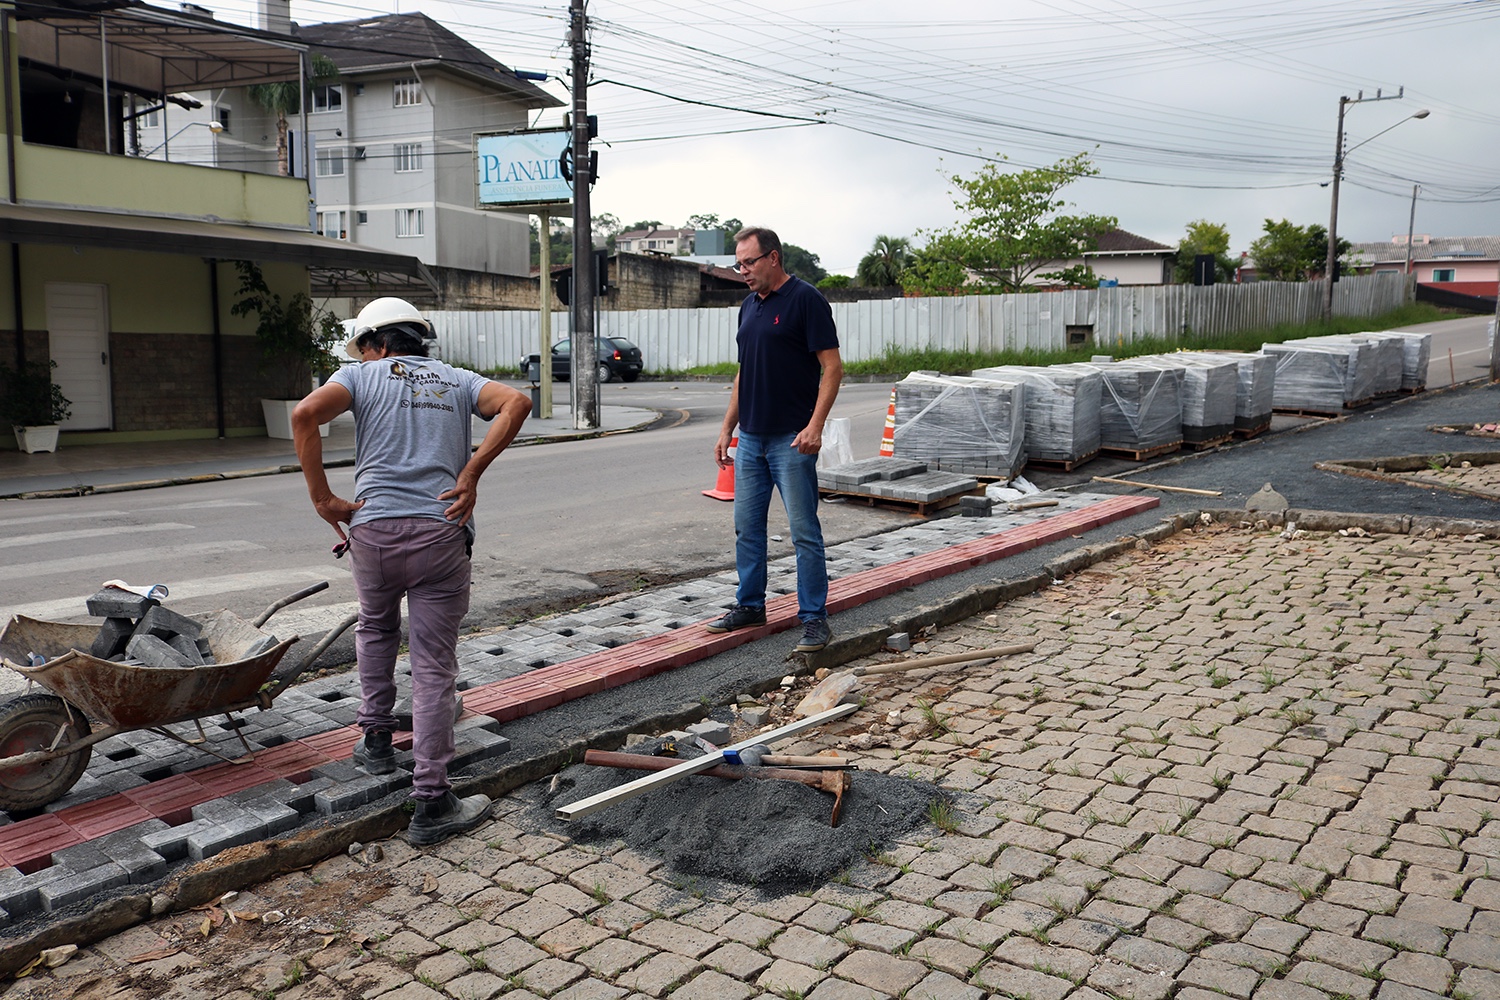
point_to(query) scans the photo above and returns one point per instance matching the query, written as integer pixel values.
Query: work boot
(815, 635)
(739, 616)
(374, 752)
(438, 819)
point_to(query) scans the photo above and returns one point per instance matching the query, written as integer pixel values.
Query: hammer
(760, 755)
(834, 782)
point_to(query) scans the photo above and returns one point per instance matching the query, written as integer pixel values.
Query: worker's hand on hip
(336, 511)
(464, 496)
(808, 441)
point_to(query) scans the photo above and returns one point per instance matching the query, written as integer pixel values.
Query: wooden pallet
(1303, 412)
(1204, 445)
(1062, 464)
(918, 508)
(1249, 432)
(1141, 456)
(1412, 392)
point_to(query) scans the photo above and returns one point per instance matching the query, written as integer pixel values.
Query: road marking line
(83, 515)
(112, 565)
(68, 536)
(65, 608)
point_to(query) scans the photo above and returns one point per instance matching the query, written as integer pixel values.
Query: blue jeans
(762, 461)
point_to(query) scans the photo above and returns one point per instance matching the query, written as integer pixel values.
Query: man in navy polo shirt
(788, 379)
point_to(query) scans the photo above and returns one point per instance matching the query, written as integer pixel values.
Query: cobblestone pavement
(1237, 764)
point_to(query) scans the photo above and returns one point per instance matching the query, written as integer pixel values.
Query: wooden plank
(641, 786)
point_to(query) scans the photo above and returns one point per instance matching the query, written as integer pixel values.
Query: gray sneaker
(374, 752)
(438, 819)
(815, 635)
(739, 616)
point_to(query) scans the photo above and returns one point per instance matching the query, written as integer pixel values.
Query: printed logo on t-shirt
(777, 320)
(428, 389)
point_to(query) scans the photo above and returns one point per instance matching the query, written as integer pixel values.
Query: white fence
(678, 339)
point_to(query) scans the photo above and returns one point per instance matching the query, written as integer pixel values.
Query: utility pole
(1338, 172)
(582, 382)
(1411, 230)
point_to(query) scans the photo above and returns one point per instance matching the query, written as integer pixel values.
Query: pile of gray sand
(769, 834)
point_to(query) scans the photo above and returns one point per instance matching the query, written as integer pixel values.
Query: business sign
(522, 168)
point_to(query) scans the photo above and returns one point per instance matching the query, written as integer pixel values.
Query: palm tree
(285, 98)
(883, 265)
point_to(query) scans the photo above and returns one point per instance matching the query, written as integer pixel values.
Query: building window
(150, 119)
(408, 157)
(1442, 274)
(331, 224)
(361, 218)
(408, 222)
(224, 118)
(328, 97)
(407, 93)
(331, 162)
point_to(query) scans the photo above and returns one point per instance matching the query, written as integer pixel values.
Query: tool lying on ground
(835, 782)
(760, 755)
(1155, 486)
(835, 688)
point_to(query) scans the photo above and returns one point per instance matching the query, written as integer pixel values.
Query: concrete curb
(267, 859)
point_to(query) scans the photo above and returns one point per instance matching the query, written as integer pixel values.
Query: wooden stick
(1154, 486)
(938, 661)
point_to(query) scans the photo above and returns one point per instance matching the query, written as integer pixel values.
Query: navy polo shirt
(779, 371)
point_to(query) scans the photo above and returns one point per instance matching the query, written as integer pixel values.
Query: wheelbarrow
(46, 739)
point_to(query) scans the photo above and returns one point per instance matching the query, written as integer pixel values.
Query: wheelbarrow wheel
(29, 723)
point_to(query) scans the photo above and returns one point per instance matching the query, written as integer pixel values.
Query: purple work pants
(426, 561)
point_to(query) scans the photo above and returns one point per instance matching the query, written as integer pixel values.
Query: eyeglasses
(740, 265)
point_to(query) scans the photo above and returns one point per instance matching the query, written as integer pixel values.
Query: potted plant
(33, 405)
(296, 341)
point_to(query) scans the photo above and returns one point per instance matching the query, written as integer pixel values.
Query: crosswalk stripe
(92, 515)
(108, 565)
(47, 538)
(65, 608)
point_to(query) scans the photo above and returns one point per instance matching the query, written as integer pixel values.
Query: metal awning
(194, 238)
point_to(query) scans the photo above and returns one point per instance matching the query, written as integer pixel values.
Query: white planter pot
(278, 414)
(34, 439)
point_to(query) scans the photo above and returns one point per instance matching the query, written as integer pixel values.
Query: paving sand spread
(768, 834)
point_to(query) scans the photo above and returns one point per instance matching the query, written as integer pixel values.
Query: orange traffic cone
(724, 488)
(888, 438)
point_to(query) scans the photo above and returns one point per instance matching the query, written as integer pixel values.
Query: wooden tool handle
(793, 760)
(939, 661)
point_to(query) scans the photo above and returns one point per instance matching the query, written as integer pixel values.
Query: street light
(214, 127)
(1338, 171)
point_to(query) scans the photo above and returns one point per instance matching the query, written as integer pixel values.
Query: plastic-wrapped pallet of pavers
(970, 425)
(1362, 377)
(1062, 409)
(1416, 355)
(1140, 412)
(1255, 392)
(1210, 387)
(1310, 378)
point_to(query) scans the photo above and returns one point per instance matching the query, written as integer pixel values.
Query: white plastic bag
(837, 448)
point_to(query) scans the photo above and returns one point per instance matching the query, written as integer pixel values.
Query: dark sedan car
(618, 358)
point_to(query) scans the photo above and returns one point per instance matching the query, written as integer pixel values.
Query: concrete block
(112, 602)
(225, 831)
(112, 637)
(258, 646)
(477, 744)
(188, 648)
(755, 715)
(79, 886)
(165, 623)
(276, 816)
(899, 641)
(172, 843)
(363, 789)
(153, 652)
(716, 733)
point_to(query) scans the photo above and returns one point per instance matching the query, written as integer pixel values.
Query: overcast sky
(834, 121)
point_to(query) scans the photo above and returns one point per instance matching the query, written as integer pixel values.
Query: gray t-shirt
(412, 434)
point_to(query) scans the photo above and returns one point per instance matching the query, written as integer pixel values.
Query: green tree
(803, 263)
(285, 98)
(884, 265)
(606, 226)
(930, 273)
(836, 281)
(709, 220)
(1203, 237)
(1289, 252)
(1013, 227)
(560, 246)
(648, 225)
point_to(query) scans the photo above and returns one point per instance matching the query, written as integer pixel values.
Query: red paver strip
(225, 778)
(339, 743)
(28, 845)
(103, 816)
(293, 760)
(170, 799)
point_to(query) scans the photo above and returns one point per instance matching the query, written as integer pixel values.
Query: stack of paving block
(1210, 388)
(895, 479)
(1416, 354)
(139, 630)
(973, 426)
(1141, 408)
(1321, 377)
(1062, 408)
(1255, 392)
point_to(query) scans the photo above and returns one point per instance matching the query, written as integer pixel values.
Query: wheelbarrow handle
(292, 599)
(283, 680)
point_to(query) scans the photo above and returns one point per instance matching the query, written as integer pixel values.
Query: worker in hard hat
(411, 534)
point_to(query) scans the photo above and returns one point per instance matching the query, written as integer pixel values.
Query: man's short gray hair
(768, 240)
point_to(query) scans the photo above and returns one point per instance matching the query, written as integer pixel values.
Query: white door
(78, 338)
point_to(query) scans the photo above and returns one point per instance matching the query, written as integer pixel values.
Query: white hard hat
(382, 313)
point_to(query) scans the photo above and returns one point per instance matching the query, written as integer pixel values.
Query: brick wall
(164, 381)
